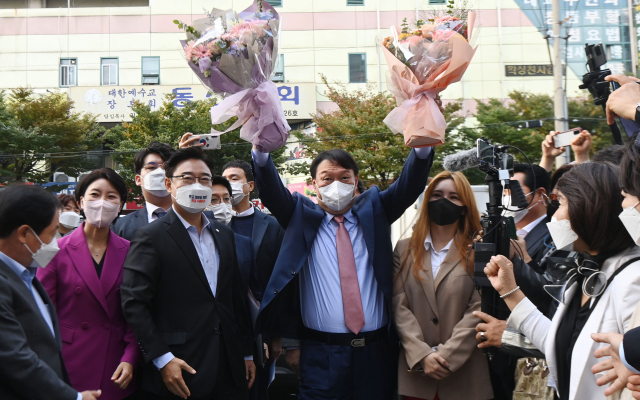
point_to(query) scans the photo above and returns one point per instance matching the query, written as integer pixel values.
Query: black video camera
(595, 83)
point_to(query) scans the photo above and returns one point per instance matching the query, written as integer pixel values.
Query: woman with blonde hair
(434, 298)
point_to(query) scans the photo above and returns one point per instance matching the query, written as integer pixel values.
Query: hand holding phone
(563, 139)
(210, 142)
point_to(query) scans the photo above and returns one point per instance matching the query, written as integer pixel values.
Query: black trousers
(224, 389)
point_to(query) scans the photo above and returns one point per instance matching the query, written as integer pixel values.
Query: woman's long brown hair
(468, 224)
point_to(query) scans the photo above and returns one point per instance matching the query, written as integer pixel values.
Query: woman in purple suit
(83, 281)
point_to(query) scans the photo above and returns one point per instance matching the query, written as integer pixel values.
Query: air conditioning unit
(82, 176)
(60, 177)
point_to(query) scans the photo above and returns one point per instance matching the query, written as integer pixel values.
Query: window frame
(437, 2)
(365, 66)
(274, 5)
(280, 57)
(60, 71)
(142, 70)
(355, 5)
(117, 70)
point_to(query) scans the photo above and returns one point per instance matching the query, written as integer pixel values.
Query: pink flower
(443, 34)
(445, 18)
(214, 48)
(246, 37)
(188, 50)
(200, 51)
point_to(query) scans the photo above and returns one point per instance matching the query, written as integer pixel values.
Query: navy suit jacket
(301, 218)
(127, 225)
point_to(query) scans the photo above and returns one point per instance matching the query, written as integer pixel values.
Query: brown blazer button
(435, 320)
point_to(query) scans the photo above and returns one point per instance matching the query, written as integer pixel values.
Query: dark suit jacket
(535, 245)
(167, 301)
(127, 225)
(301, 218)
(31, 364)
(632, 347)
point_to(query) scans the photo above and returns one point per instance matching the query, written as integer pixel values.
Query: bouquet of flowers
(234, 55)
(422, 63)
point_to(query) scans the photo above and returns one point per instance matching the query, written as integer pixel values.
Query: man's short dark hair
(66, 199)
(612, 154)
(245, 166)
(26, 205)
(541, 176)
(593, 195)
(103, 173)
(220, 180)
(188, 153)
(162, 149)
(558, 174)
(335, 156)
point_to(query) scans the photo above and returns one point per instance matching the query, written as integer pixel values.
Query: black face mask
(444, 212)
(552, 208)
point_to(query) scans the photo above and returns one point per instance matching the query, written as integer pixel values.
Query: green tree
(41, 134)
(167, 124)
(357, 127)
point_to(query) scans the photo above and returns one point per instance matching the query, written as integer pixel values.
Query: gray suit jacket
(127, 225)
(31, 366)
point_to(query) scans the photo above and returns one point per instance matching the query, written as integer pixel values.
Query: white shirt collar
(527, 229)
(205, 220)
(246, 213)
(150, 209)
(428, 244)
(348, 216)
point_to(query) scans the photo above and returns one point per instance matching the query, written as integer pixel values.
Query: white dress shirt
(525, 231)
(437, 257)
(209, 258)
(246, 212)
(151, 208)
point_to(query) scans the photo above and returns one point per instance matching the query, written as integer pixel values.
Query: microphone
(462, 160)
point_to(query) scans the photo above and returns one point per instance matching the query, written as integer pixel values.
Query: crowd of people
(197, 294)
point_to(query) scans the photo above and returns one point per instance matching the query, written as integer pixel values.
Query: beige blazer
(427, 314)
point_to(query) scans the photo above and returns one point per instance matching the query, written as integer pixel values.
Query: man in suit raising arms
(149, 167)
(182, 294)
(332, 282)
(31, 366)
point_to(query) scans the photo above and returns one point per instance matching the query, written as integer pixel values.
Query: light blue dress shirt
(27, 275)
(624, 360)
(209, 258)
(320, 292)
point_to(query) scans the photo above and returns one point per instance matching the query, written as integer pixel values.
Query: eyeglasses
(215, 201)
(151, 166)
(190, 179)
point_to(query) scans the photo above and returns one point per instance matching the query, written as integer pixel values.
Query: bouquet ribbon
(396, 117)
(260, 114)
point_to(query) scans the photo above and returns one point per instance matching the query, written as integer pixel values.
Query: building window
(150, 70)
(108, 71)
(437, 1)
(278, 71)
(68, 72)
(275, 3)
(357, 68)
(355, 2)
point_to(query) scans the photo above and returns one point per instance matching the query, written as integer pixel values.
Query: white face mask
(630, 218)
(562, 234)
(517, 215)
(193, 198)
(238, 192)
(69, 219)
(337, 195)
(45, 253)
(222, 212)
(154, 183)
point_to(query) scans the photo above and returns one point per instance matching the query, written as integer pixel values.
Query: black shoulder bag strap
(615, 273)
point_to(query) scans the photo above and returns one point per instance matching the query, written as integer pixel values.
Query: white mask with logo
(223, 212)
(154, 183)
(237, 189)
(45, 253)
(630, 218)
(337, 195)
(193, 198)
(69, 219)
(562, 234)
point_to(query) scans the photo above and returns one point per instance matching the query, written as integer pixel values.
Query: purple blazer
(95, 336)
